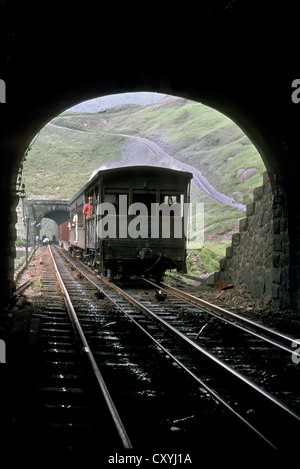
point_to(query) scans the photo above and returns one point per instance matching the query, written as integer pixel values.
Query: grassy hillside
(74, 144)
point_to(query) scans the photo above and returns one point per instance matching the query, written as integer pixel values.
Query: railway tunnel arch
(256, 139)
(36, 211)
(280, 297)
(166, 62)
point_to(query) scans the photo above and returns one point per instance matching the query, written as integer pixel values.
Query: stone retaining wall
(251, 256)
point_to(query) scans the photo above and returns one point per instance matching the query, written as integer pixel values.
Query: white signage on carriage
(2, 351)
(164, 220)
(296, 353)
(296, 93)
(2, 91)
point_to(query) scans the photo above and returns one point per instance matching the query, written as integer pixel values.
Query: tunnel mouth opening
(182, 134)
(221, 139)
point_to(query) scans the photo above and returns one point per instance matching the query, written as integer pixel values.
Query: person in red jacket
(88, 208)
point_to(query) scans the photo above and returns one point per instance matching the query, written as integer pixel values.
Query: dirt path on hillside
(199, 180)
(66, 128)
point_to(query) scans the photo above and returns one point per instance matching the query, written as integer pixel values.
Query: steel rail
(86, 349)
(191, 343)
(22, 288)
(221, 313)
(176, 360)
(203, 351)
(186, 369)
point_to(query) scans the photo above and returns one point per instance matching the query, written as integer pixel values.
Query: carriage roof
(134, 170)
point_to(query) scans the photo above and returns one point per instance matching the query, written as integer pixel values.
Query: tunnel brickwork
(250, 84)
(259, 252)
(36, 210)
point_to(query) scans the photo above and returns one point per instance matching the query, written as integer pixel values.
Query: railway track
(148, 388)
(267, 334)
(268, 341)
(186, 333)
(67, 410)
(73, 407)
(268, 351)
(168, 387)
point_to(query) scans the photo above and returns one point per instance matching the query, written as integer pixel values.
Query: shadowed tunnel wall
(229, 55)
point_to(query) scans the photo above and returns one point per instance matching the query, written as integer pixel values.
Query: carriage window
(146, 198)
(114, 199)
(111, 198)
(72, 214)
(80, 215)
(169, 199)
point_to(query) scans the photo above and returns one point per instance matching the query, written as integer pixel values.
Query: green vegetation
(19, 262)
(206, 259)
(37, 285)
(20, 242)
(74, 144)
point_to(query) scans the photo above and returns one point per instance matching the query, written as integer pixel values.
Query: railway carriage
(63, 234)
(127, 221)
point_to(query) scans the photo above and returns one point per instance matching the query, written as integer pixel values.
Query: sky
(96, 104)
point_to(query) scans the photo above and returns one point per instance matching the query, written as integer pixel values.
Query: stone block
(223, 263)
(236, 239)
(286, 249)
(277, 244)
(266, 177)
(275, 292)
(284, 224)
(266, 217)
(211, 279)
(276, 260)
(276, 226)
(229, 251)
(259, 219)
(250, 209)
(276, 275)
(285, 278)
(258, 193)
(243, 224)
(277, 211)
